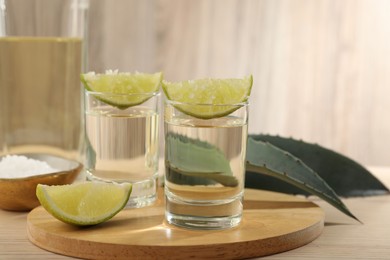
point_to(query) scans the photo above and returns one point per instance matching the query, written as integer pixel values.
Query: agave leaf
(267, 159)
(196, 162)
(346, 177)
(204, 177)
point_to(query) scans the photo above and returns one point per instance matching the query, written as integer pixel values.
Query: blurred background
(321, 68)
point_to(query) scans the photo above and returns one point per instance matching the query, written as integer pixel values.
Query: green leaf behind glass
(194, 162)
(346, 177)
(265, 159)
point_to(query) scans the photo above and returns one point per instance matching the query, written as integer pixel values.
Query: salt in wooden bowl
(18, 194)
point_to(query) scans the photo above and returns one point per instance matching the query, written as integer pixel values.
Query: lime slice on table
(124, 89)
(208, 98)
(84, 203)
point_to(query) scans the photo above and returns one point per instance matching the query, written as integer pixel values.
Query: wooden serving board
(272, 223)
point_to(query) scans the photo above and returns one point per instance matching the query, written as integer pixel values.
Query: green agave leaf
(204, 177)
(264, 158)
(196, 162)
(346, 177)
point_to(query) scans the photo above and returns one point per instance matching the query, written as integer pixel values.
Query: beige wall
(321, 68)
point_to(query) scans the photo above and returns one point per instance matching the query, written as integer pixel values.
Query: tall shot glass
(204, 166)
(123, 144)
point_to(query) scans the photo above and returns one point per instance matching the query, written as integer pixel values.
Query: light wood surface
(321, 68)
(342, 238)
(272, 223)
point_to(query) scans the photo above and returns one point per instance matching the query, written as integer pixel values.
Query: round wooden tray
(272, 223)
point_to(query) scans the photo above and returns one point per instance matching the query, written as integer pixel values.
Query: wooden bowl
(19, 194)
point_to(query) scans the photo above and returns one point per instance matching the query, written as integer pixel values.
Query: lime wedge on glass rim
(123, 89)
(84, 203)
(208, 98)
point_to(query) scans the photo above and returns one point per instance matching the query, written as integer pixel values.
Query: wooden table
(342, 238)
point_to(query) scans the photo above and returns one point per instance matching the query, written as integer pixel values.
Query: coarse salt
(17, 166)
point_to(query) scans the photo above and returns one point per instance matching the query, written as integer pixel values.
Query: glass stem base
(206, 215)
(205, 223)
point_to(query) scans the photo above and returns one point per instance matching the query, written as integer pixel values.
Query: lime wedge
(84, 203)
(208, 98)
(122, 90)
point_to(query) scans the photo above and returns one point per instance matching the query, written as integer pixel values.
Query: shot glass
(204, 166)
(123, 143)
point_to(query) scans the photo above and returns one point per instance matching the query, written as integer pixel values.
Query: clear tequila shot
(204, 166)
(123, 143)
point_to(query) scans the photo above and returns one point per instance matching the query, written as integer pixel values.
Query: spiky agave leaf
(196, 162)
(268, 159)
(346, 177)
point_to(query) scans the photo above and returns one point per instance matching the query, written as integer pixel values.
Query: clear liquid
(123, 147)
(40, 95)
(197, 151)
